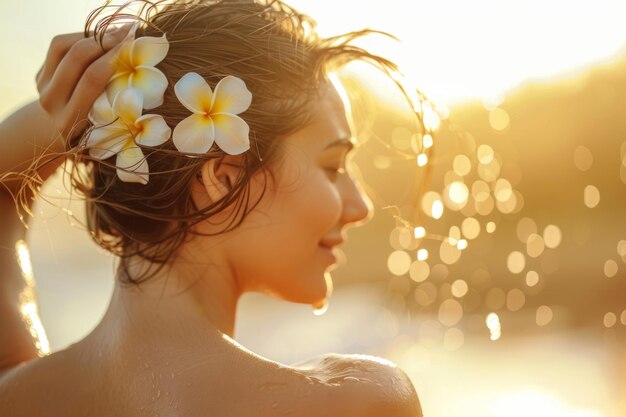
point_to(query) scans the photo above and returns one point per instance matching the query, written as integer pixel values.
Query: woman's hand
(74, 74)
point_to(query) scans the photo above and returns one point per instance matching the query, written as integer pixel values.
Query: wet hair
(284, 63)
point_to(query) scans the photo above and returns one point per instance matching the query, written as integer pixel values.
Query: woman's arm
(74, 74)
(16, 343)
(24, 136)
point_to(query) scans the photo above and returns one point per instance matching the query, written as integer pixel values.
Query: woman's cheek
(328, 205)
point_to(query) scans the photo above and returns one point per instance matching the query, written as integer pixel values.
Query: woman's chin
(316, 293)
(323, 292)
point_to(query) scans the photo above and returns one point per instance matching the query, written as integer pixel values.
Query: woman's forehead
(328, 124)
(329, 118)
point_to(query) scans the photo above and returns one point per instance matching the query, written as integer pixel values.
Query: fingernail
(133, 28)
(123, 31)
(115, 35)
(119, 32)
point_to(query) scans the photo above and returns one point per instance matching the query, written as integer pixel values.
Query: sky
(453, 50)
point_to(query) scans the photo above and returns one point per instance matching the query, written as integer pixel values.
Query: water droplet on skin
(321, 308)
(312, 380)
(352, 378)
(274, 404)
(271, 385)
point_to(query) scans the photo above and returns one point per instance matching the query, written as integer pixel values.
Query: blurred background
(494, 270)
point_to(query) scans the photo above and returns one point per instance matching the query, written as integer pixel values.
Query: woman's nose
(357, 206)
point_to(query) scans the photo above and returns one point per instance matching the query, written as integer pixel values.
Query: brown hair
(283, 62)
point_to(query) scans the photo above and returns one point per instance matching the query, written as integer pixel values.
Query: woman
(214, 164)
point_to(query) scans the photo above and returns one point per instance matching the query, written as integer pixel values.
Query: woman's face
(282, 246)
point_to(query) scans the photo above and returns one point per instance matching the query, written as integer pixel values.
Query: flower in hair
(120, 128)
(135, 67)
(214, 117)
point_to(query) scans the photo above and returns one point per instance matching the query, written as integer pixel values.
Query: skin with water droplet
(321, 307)
(271, 385)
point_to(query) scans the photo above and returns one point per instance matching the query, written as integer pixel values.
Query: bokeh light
(591, 196)
(583, 158)
(493, 324)
(516, 262)
(499, 119)
(532, 278)
(544, 315)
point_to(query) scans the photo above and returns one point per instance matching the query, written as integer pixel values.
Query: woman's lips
(328, 251)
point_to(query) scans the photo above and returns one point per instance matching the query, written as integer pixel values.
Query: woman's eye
(335, 171)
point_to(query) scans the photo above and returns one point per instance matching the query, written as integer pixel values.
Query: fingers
(92, 83)
(62, 44)
(71, 68)
(58, 48)
(75, 73)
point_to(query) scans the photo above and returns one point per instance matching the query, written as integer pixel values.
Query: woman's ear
(218, 176)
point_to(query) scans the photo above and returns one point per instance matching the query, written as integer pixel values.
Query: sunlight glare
(537, 404)
(427, 141)
(27, 300)
(437, 209)
(419, 232)
(493, 324)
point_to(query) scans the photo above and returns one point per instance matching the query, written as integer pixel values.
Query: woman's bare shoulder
(330, 385)
(23, 387)
(364, 385)
(238, 384)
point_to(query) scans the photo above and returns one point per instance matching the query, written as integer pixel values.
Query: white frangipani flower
(214, 115)
(120, 128)
(135, 67)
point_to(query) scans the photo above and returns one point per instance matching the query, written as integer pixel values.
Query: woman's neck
(186, 302)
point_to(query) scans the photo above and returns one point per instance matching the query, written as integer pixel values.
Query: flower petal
(131, 158)
(231, 96)
(149, 50)
(153, 130)
(194, 93)
(231, 133)
(195, 134)
(121, 61)
(133, 30)
(117, 84)
(127, 105)
(152, 83)
(101, 112)
(104, 142)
